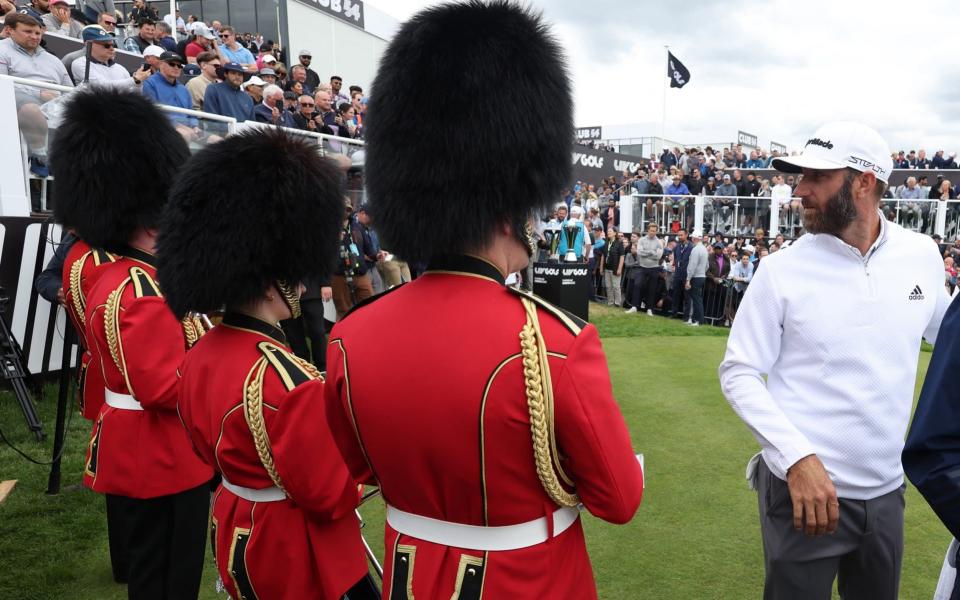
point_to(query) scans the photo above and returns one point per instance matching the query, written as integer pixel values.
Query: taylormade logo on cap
(839, 145)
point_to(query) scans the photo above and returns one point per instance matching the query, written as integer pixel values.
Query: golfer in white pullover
(835, 324)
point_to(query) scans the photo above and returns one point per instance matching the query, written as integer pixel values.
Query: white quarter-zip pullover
(838, 336)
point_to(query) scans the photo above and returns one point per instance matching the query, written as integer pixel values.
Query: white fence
(742, 215)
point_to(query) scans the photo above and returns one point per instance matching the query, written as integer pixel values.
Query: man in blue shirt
(677, 192)
(164, 87)
(582, 240)
(231, 51)
(226, 98)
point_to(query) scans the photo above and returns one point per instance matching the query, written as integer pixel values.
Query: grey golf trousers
(863, 554)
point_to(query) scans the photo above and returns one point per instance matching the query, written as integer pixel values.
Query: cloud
(777, 68)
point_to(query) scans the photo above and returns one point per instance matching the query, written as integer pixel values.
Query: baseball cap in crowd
(191, 70)
(269, 59)
(726, 176)
(840, 145)
(201, 30)
(306, 53)
(232, 66)
(254, 81)
(95, 33)
(696, 233)
(268, 71)
(170, 57)
(749, 248)
(153, 50)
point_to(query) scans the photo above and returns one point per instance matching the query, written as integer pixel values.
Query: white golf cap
(269, 59)
(839, 145)
(153, 50)
(696, 234)
(200, 29)
(254, 81)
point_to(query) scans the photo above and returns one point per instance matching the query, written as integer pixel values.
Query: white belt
(475, 537)
(121, 401)
(270, 494)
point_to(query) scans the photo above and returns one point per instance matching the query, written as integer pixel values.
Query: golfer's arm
(752, 349)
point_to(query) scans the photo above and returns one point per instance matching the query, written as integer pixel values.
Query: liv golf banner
(590, 166)
(679, 75)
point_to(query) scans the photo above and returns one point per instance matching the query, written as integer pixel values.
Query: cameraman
(351, 283)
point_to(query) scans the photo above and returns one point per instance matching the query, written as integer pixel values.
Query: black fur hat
(114, 158)
(247, 211)
(469, 126)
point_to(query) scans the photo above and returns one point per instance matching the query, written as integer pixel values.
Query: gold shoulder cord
(75, 269)
(253, 413)
(536, 374)
(111, 319)
(193, 328)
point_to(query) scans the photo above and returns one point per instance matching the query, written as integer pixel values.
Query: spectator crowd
(208, 67)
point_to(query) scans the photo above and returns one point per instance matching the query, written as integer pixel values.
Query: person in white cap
(696, 278)
(835, 325)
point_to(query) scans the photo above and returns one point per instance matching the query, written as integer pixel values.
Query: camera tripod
(13, 365)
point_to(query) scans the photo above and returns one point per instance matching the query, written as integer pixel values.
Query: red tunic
(307, 546)
(426, 397)
(139, 453)
(81, 268)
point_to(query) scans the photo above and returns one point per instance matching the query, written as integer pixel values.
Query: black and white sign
(775, 147)
(589, 133)
(746, 139)
(679, 75)
(350, 11)
(26, 245)
(566, 285)
(592, 165)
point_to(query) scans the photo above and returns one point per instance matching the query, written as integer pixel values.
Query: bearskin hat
(252, 209)
(114, 158)
(469, 126)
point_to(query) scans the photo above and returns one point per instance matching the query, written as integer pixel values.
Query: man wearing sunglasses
(107, 22)
(231, 51)
(164, 87)
(103, 69)
(209, 64)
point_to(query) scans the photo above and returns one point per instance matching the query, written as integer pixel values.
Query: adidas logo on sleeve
(916, 294)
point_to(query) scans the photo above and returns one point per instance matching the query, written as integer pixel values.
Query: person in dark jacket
(226, 98)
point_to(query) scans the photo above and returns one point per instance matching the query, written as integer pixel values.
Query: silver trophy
(552, 238)
(571, 231)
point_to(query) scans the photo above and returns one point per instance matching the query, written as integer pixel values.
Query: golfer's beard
(834, 218)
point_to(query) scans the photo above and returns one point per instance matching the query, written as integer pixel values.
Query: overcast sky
(773, 68)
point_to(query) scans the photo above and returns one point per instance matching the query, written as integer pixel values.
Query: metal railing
(199, 128)
(743, 215)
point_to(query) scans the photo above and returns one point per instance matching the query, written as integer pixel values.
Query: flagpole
(663, 114)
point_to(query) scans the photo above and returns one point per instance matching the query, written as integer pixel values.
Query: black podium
(566, 285)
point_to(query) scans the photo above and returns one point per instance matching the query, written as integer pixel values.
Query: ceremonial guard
(80, 271)
(284, 522)
(139, 454)
(485, 415)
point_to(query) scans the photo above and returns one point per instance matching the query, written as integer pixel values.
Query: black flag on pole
(678, 74)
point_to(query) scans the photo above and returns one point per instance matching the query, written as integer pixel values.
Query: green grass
(696, 535)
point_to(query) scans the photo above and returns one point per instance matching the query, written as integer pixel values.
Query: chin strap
(290, 297)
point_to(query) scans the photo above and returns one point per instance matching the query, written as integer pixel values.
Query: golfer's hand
(326, 293)
(687, 286)
(816, 510)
